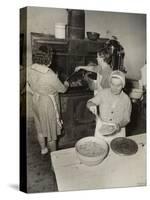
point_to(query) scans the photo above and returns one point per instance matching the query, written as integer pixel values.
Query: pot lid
(124, 146)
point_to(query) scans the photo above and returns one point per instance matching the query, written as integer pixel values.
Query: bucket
(91, 79)
(60, 30)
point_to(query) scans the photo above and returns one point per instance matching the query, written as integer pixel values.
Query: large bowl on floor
(91, 150)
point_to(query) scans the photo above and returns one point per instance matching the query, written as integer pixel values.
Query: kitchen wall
(42, 20)
(129, 28)
(131, 32)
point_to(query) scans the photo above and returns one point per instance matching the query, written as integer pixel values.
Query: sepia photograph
(83, 99)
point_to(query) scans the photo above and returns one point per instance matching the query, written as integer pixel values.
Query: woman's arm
(93, 103)
(87, 68)
(58, 85)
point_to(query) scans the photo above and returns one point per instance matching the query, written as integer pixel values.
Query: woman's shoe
(44, 151)
(52, 145)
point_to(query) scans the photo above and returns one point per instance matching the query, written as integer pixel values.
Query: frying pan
(70, 75)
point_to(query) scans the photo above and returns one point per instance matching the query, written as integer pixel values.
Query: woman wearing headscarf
(114, 105)
(45, 86)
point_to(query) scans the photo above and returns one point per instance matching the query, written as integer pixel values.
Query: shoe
(44, 151)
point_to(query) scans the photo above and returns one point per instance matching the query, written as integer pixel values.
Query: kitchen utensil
(92, 35)
(91, 77)
(107, 128)
(91, 150)
(124, 146)
(70, 75)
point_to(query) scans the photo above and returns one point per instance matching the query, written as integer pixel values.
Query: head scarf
(118, 74)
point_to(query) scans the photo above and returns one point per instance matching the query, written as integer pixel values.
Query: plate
(107, 129)
(124, 146)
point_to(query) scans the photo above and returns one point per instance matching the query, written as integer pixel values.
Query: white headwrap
(118, 74)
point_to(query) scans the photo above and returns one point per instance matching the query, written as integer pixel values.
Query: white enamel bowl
(91, 150)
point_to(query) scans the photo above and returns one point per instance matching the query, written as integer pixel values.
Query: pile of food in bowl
(91, 150)
(107, 129)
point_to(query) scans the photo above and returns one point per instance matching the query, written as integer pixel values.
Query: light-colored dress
(106, 72)
(102, 81)
(45, 86)
(113, 108)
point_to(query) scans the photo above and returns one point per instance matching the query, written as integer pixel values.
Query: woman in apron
(114, 106)
(45, 86)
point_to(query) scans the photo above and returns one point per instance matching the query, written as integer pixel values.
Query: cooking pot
(91, 79)
(92, 35)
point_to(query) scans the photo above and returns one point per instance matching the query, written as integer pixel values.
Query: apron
(99, 123)
(52, 97)
(59, 121)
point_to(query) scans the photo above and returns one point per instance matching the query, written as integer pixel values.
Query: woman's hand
(92, 107)
(77, 69)
(66, 84)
